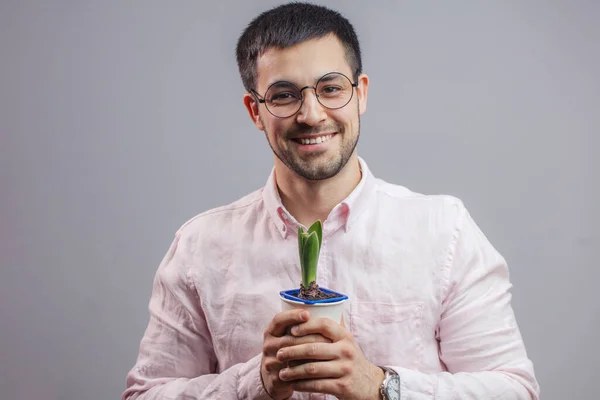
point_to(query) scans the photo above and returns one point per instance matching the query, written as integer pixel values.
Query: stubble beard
(311, 168)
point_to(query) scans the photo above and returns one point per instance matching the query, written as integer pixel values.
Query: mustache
(313, 130)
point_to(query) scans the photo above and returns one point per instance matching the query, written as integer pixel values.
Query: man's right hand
(276, 337)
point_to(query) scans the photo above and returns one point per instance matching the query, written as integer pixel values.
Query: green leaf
(318, 228)
(309, 248)
(301, 236)
(310, 258)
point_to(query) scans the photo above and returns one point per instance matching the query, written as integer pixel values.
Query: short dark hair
(290, 24)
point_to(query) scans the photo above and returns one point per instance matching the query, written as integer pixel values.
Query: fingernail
(304, 315)
(283, 373)
(294, 330)
(280, 354)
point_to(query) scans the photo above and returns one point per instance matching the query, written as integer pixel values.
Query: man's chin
(316, 173)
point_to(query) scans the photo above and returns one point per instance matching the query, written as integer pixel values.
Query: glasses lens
(334, 90)
(283, 99)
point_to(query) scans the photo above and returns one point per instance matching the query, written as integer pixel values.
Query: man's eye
(283, 96)
(330, 89)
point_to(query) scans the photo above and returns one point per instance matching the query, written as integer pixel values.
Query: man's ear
(252, 107)
(362, 91)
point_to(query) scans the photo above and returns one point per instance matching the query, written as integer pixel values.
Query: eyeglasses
(284, 99)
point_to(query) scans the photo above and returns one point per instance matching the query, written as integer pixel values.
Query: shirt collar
(343, 214)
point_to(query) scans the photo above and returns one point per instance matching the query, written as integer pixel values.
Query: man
(429, 315)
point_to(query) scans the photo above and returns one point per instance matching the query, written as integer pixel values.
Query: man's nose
(311, 112)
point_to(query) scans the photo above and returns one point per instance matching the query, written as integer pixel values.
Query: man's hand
(343, 370)
(276, 337)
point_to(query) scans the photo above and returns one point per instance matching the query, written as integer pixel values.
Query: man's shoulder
(404, 196)
(212, 219)
(417, 213)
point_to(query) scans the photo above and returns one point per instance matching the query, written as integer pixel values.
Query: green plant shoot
(309, 246)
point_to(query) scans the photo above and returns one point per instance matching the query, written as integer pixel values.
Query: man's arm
(480, 342)
(176, 357)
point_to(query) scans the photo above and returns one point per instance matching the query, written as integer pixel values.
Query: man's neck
(309, 201)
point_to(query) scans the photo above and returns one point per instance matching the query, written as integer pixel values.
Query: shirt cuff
(414, 385)
(250, 384)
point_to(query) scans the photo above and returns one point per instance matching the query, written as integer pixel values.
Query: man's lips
(313, 136)
(313, 139)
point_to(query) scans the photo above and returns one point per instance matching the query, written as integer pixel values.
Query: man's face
(336, 131)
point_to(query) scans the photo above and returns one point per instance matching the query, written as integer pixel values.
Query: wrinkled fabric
(428, 296)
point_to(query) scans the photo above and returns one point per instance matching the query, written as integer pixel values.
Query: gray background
(121, 120)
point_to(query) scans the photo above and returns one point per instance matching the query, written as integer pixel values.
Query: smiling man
(429, 315)
(312, 99)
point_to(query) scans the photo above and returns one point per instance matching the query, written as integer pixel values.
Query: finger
(289, 340)
(273, 344)
(313, 370)
(283, 320)
(336, 387)
(325, 326)
(312, 351)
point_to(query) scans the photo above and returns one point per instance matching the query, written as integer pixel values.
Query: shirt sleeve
(176, 359)
(480, 342)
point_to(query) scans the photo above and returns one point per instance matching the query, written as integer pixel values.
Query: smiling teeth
(317, 140)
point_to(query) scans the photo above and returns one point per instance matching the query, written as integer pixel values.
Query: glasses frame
(262, 100)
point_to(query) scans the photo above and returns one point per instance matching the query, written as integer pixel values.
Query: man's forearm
(519, 383)
(241, 381)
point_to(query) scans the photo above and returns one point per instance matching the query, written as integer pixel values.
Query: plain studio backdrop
(121, 120)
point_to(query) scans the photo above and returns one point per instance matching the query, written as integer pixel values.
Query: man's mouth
(314, 139)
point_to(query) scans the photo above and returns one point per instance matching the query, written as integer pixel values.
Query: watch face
(392, 390)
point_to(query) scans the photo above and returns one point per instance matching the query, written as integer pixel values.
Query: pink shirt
(428, 296)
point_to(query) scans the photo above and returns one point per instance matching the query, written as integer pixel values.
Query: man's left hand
(342, 369)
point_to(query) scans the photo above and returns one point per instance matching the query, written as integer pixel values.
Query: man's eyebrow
(330, 77)
(281, 84)
(286, 82)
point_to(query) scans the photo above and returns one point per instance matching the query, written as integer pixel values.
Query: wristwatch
(390, 387)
